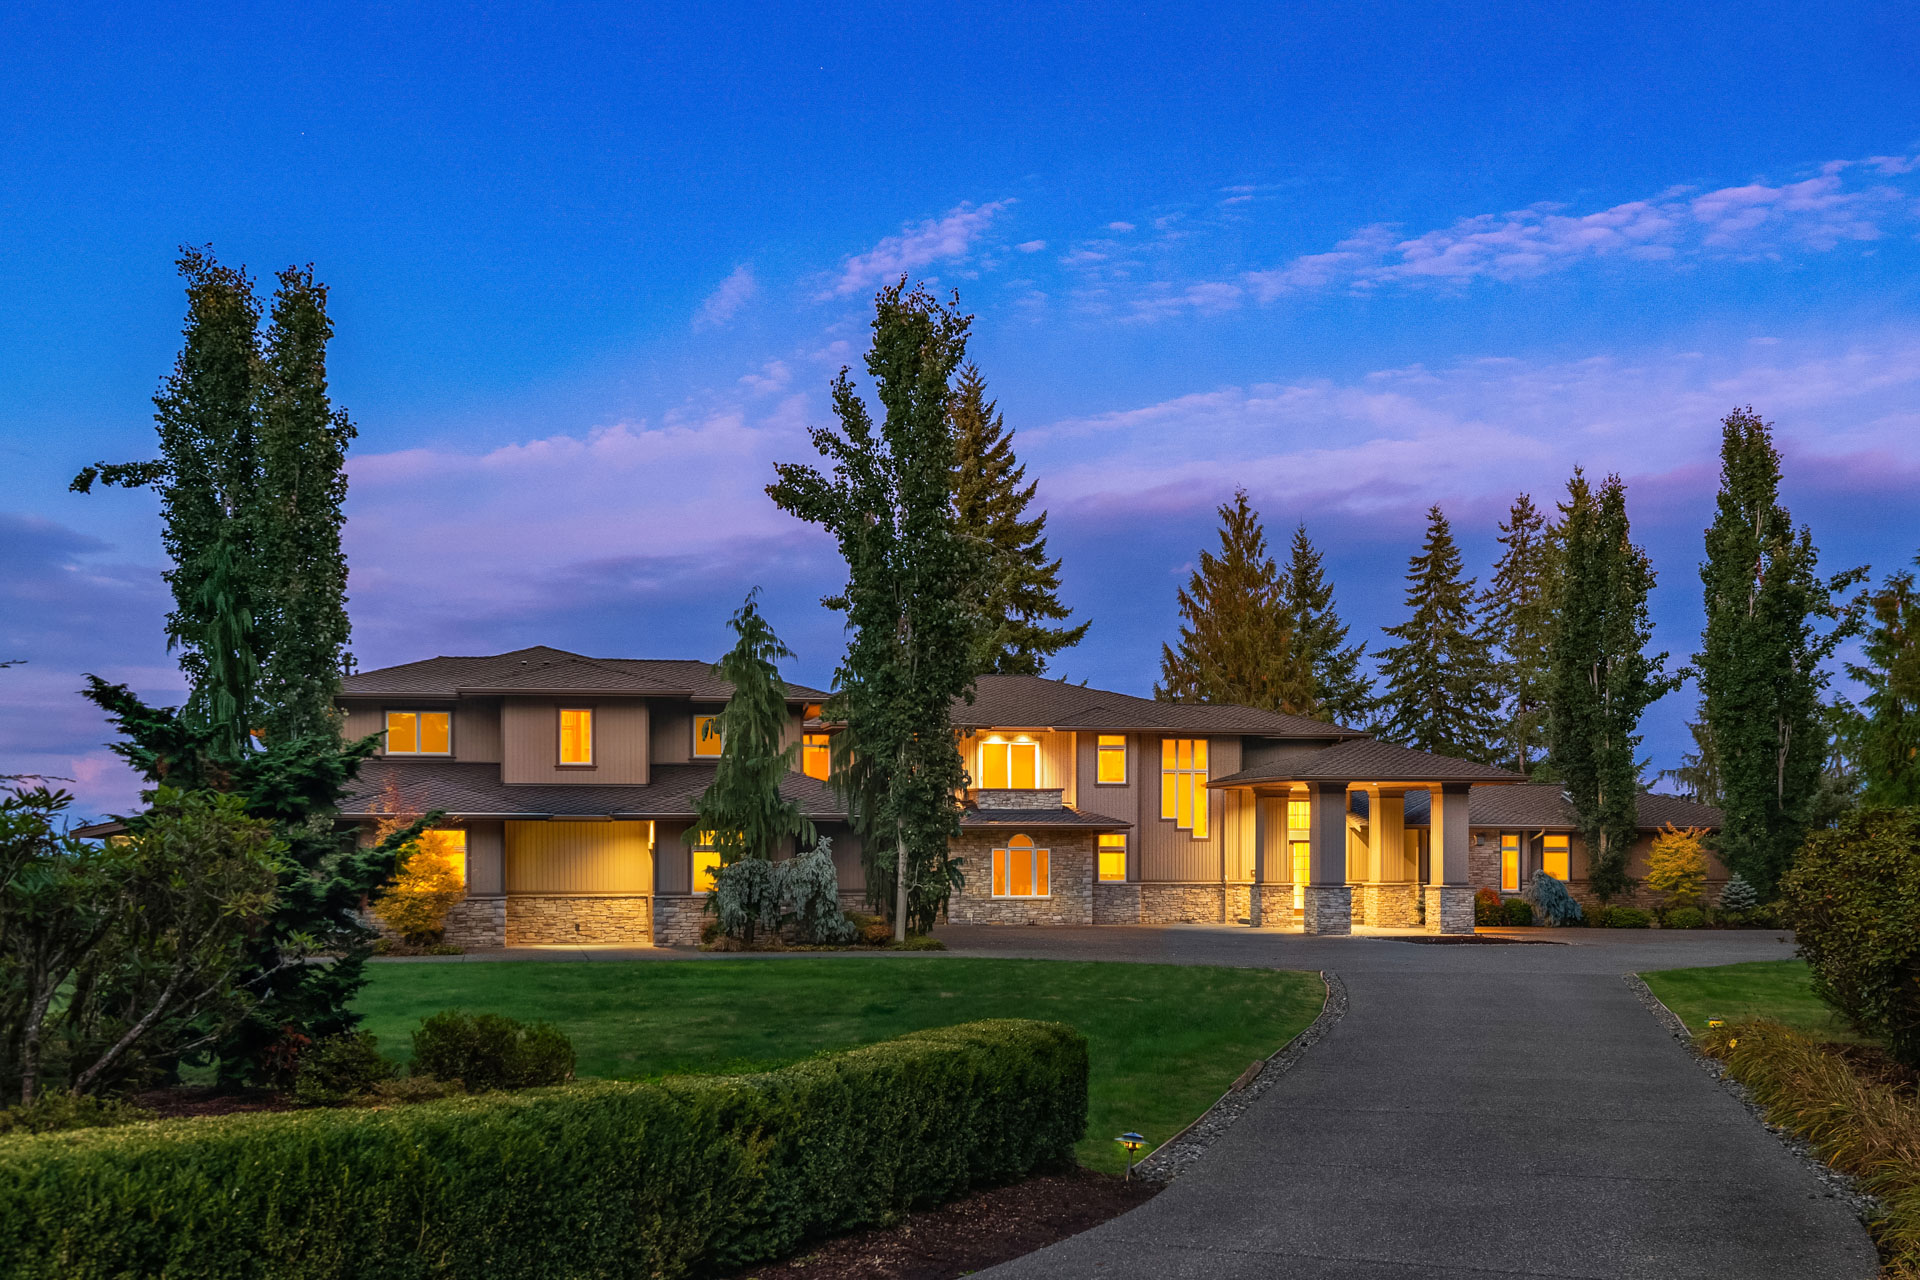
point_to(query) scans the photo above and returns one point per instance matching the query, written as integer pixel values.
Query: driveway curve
(1480, 1111)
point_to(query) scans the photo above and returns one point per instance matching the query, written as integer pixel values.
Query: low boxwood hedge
(687, 1176)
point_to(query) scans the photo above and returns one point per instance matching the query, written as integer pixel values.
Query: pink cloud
(941, 239)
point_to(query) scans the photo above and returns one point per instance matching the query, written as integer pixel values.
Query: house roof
(1368, 760)
(999, 819)
(1036, 702)
(475, 790)
(542, 669)
(1537, 806)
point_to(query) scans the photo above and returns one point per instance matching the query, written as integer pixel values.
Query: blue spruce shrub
(1551, 899)
(807, 890)
(1737, 895)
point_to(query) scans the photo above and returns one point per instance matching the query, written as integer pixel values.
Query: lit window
(706, 862)
(1302, 869)
(706, 736)
(1510, 863)
(1113, 857)
(451, 845)
(816, 755)
(1006, 765)
(1020, 870)
(1112, 752)
(576, 737)
(419, 733)
(1555, 859)
(1299, 815)
(1183, 784)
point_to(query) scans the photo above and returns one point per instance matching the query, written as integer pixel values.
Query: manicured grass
(1775, 989)
(1166, 1040)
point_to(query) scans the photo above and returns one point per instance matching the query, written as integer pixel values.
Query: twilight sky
(593, 267)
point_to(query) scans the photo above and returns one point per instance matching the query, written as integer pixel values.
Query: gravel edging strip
(1838, 1184)
(1176, 1155)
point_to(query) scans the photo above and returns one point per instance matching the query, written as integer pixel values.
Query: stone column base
(1274, 903)
(1390, 906)
(1450, 908)
(1330, 909)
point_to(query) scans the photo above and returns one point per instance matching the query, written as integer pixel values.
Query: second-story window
(816, 755)
(419, 733)
(1005, 764)
(1183, 784)
(1112, 751)
(576, 736)
(706, 737)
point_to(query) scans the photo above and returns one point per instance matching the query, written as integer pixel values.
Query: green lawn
(1166, 1040)
(1775, 989)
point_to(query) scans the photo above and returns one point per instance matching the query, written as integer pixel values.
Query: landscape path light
(1132, 1142)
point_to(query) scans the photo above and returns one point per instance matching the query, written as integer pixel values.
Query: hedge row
(688, 1176)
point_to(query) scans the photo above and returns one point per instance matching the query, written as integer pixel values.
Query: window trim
(560, 738)
(386, 728)
(1023, 740)
(808, 743)
(1199, 797)
(1100, 750)
(1042, 857)
(1101, 849)
(703, 842)
(1568, 850)
(719, 744)
(1519, 857)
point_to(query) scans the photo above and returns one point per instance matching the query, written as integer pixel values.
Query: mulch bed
(1871, 1063)
(969, 1234)
(184, 1101)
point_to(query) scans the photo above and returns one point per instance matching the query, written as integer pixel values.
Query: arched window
(1020, 870)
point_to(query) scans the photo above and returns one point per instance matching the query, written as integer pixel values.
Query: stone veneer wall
(1070, 871)
(1174, 903)
(1390, 905)
(478, 924)
(1329, 909)
(1239, 903)
(534, 920)
(678, 919)
(1116, 902)
(1449, 908)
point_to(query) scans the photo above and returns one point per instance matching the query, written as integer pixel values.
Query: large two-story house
(569, 785)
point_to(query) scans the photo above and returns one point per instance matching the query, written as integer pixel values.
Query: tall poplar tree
(1236, 643)
(1440, 694)
(1519, 609)
(1602, 679)
(1888, 735)
(1761, 664)
(1016, 592)
(1342, 689)
(888, 501)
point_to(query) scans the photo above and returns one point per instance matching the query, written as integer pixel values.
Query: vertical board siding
(672, 736)
(1166, 852)
(579, 857)
(486, 859)
(848, 863)
(672, 858)
(476, 730)
(530, 742)
(1057, 764)
(361, 719)
(1122, 800)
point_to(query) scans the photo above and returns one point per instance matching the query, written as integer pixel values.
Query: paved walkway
(1480, 1112)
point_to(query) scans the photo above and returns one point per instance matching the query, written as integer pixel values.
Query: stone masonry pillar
(1329, 899)
(1388, 896)
(1450, 893)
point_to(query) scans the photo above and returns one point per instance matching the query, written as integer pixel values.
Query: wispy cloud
(942, 239)
(723, 303)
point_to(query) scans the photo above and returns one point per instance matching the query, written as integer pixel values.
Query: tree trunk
(899, 881)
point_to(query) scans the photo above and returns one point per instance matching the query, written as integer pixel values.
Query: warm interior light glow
(403, 732)
(1556, 858)
(1113, 856)
(816, 755)
(1510, 862)
(425, 733)
(1006, 764)
(1302, 871)
(1183, 784)
(576, 736)
(706, 737)
(1111, 762)
(706, 862)
(1020, 870)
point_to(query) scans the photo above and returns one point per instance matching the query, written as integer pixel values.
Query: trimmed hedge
(691, 1175)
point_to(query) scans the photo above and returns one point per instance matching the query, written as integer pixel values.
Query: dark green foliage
(1685, 918)
(1761, 667)
(889, 503)
(1519, 608)
(1236, 638)
(694, 1175)
(1623, 918)
(1889, 735)
(340, 1069)
(1488, 908)
(1440, 678)
(1697, 777)
(491, 1052)
(57, 1111)
(1015, 594)
(1342, 690)
(1853, 901)
(1556, 905)
(1602, 678)
(1516, 913)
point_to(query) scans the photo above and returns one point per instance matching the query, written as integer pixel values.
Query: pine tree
(1519, 608)
(1342, 689)
(889, 504)
(1440, 694)
(1235, 642)
(1698, 773)
(1761, 662)
(1016, 593)
(1602, 679)
(1888, 734)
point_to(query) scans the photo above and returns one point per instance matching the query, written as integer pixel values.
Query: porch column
(1449, 893)
(1388, 897)
(1329, 900)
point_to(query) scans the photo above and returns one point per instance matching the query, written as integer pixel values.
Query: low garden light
(1132, 1142)
(1715, 1022)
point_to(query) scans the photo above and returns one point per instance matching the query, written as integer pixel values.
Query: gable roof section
(475, 791)
(1036, 702)
(1369, 760)
(543, 669)
(1537, 806)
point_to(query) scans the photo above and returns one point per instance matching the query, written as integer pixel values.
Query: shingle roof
(1368, 760)
(1035, 702)
(543, 669)
(1040, 819)
(475, 790)
(1538, 806)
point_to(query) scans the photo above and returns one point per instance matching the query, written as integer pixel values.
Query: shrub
(1737, 896)
(491, 1052)
(56, 1111)
(406, 1089)
(1516, 912)
(339, 1069)
(416, 904)
(870, 931)
(603, 1178)
(1853, 900)
(1487, 909)
(1556, 905)
(807, 889)
(919, 942)
(1685, 918)
(743, 894)
(1627, 918)
(1677, 865)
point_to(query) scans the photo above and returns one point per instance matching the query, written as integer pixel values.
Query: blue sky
(592, 269)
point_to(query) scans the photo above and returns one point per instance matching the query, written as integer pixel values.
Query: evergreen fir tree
(1519, 609)
(1698, 774)
(1440, 694)
(1342, 689)
(1235, 641)
(1602, 679)
(1016, 593)
(889, 503)
(1888, 733)
(1761, 662)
